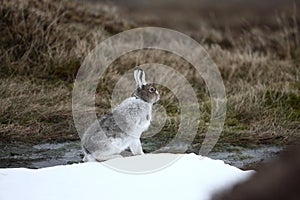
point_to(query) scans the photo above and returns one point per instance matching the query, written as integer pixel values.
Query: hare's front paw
(136, 147)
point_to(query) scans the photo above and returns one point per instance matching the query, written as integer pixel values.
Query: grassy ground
(41, 47)
(256, 49)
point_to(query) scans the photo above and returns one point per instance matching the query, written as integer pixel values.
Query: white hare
(122, 127)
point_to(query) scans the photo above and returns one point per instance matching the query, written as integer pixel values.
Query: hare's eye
(151, 89)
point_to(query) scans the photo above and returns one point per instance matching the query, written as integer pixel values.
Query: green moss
(244, 157)
(231, 122)
(226, 147)
(287, 103)
(295, 85)
(293, 101)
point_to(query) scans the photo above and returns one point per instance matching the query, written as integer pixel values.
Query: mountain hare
(122, 127)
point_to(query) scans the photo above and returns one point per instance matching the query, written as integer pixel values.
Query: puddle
(39, 156)
(59, 154)
(243, 157)
(52, 154)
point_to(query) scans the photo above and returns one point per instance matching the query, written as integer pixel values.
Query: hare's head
(144, 91)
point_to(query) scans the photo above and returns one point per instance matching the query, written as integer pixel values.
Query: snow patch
(189, 177)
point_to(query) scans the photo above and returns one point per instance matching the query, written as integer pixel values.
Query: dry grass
(39, 111)
(43, 43)
(49, 39)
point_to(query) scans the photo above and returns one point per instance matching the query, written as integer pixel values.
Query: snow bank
(190, 177)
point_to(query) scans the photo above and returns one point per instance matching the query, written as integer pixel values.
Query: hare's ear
(139, 76)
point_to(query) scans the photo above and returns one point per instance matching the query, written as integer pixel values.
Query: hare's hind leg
(103, 156)
(107, 152)
(136, 147)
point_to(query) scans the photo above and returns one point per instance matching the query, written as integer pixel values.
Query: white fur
(122, 127)
(139, 76)
(135, 112)
(132, 113)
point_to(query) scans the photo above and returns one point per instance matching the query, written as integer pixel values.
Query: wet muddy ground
(52, 154)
